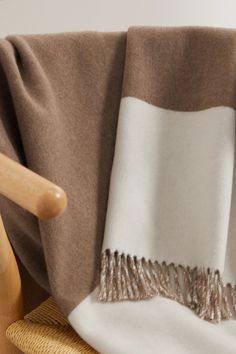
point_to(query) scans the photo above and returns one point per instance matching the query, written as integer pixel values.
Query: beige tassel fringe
(202, 290)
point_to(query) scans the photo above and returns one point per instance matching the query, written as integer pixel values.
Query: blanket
(138, 128)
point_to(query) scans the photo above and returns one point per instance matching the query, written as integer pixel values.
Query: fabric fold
(138, 128)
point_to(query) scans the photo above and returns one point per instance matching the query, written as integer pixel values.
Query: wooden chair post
(11, 304)
(45, 200)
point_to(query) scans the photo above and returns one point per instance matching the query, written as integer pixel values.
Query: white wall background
(42, 16)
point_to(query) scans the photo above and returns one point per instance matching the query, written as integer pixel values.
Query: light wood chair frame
(43, 199)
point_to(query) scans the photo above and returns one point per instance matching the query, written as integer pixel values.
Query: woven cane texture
(46, 331)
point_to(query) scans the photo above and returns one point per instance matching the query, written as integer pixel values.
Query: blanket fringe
(124, 277)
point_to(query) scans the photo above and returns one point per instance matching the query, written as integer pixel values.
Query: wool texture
(138, 128)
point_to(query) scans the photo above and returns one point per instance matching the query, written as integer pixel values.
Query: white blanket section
(170, 200)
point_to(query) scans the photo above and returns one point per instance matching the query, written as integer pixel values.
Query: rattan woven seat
(46, 331)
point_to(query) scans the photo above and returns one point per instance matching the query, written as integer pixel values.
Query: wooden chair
(45, 200)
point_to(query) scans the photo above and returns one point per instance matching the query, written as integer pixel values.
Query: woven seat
(46, 331)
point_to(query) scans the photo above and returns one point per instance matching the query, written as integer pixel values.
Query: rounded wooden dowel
(29, 190)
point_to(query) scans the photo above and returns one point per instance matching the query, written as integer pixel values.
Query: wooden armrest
(45, 200)
(29, 190)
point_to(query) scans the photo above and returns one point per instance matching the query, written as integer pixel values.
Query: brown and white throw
(138, 127)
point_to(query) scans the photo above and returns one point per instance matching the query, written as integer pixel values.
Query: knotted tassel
(125, 277)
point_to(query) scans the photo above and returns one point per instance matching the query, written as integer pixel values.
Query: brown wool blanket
(138, 128)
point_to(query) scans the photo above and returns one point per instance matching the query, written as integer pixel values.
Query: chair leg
(11, 304)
